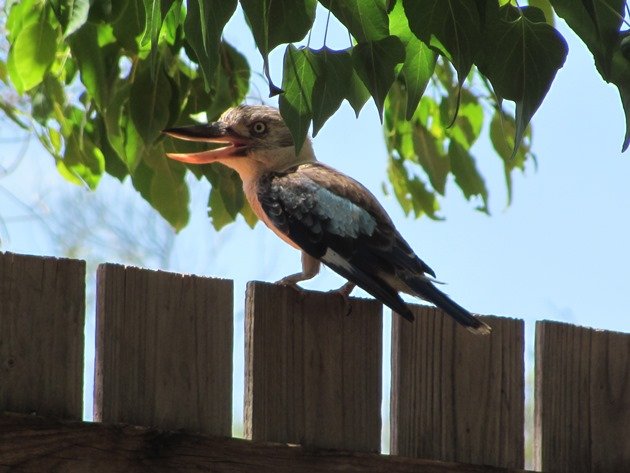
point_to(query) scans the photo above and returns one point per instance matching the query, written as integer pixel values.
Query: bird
(328, 216)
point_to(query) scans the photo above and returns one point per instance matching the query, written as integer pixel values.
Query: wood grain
(30, 444)
(42, 314)
(313, 373)
(164, 350)
(582, 409)
(457, 396)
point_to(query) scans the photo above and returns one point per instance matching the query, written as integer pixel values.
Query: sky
(559, 252)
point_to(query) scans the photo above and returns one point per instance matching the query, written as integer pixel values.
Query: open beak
(211, 133)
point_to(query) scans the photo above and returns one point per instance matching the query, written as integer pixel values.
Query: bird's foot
(290, 281)
(344, 291)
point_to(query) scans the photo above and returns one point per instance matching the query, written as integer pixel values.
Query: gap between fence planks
(457, 396)
(33, 444)
(42, 311)
(313, 371)
(582, 404)
(164, 350)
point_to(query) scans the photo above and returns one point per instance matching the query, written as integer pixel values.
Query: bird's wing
(388, 240)
(335, 219)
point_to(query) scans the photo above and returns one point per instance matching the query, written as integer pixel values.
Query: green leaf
(114, 165)
(545, 7)
(334, 72)
(232, 82)
(502, 135)
(417, 71)
(135, 148)
(98, 64)
(357, 94)
(115, 117)
(203, 26)
(597, 23)
(231, 189)
(219, 215)
(71, 14)
(411, 193)
(4, 74)
(31, 54)
(226, 196)
(171, 31)
(466, 174)
(128, 28)
(48, 93)
(153, 25)
(14, 115)
(149, 103)
(141, 180)
(248, 215)
(153, 18)
(22, 14)
(83, 163)
(397, 175)
(419, 59)
(450, 26)
(298, 83)
(365, 19)
(274, 22)
(375, 63)
(168, 190)
(524, 67)
(106, 11)
(431, 157)
(467, 125)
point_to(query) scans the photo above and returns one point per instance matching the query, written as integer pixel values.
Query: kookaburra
(327, 215)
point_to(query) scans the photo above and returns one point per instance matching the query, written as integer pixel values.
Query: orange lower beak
(212, 133)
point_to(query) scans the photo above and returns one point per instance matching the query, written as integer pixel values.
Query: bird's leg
(310, 267)
(344, 291)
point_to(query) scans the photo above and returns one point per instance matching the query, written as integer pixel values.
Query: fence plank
(32, 444)
(457, 396)
(164, 350)
(42, 314)
(582, 415)
(313, 373)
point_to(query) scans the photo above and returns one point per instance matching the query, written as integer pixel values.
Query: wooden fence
(164, 345)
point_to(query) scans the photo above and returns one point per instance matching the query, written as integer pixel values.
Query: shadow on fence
(164, 347)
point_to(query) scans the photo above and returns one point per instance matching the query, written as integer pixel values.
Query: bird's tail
(426, 290)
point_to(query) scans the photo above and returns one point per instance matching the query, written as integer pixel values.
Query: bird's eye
(258, 128)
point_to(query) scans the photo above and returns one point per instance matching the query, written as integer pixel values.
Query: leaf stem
(326, 28)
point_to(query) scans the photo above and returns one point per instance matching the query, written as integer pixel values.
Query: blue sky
(559, 252)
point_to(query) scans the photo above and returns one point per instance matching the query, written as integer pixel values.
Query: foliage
(100, 80)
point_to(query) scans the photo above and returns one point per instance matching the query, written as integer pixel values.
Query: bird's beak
(211, 133)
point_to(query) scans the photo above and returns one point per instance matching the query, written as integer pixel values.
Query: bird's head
(256, 140)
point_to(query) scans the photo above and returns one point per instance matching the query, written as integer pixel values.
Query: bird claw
(289, 283)
(344, 291)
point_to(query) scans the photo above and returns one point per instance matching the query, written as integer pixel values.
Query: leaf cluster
(104, 78)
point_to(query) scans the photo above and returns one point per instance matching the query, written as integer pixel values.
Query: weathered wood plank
(457, 396)
(582, 403)
(313, 373)
(164, 350)
(30, 444)
(42, 314)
